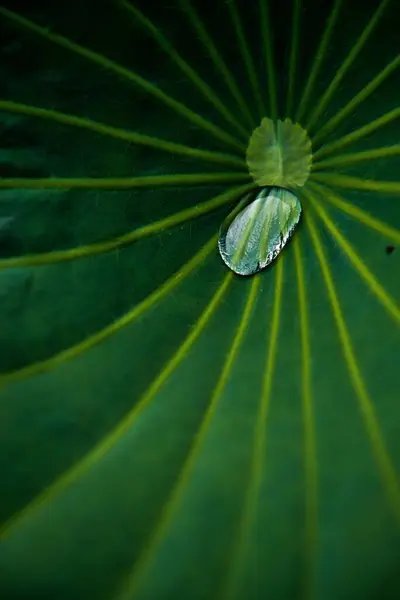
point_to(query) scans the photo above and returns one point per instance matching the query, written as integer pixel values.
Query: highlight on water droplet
(252, 238)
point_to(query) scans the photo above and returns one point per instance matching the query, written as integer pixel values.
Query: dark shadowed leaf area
(169, 430)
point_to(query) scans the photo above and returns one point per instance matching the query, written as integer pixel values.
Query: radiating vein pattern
(124, 73)
(140, 570)
(360, 215)
(347, 63)
(266, 29)
(293, 56)
(217, 58)
(88, 461)
(121, 134)
(247, 57)
(247, 524)
(357, 134)
(319, 57)
(310, 446)
(385, 463)
(376, 288)
(186, 68)
(349, 159)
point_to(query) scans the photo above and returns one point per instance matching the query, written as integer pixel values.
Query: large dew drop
(252, 239)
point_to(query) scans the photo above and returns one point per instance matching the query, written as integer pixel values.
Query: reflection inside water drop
(251, 239)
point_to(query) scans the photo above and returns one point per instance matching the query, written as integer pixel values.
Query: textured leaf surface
(167, 429)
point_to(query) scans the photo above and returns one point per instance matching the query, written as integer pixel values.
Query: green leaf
(170, 430)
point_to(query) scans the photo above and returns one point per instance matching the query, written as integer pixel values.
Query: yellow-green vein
(266, 39)
(201, 85)
(252, 490)
(376, 288)
(168, 286)
(76, 471)
(356, 183)
(320, 55)
(125, 73)
(217, 59)
(310, 445)
(294, 49)
(153, 228)
(111, 183)
(122, 134)
(357, 134)
(358, 98)
(131, 586)
(344, 160)
(348, 61)
(357, 213)
(380, 452)
(247, 58)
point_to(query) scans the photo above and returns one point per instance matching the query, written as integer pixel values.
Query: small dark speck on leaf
(390, 249)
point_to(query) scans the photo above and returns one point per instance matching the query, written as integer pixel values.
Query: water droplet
(251, 239)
